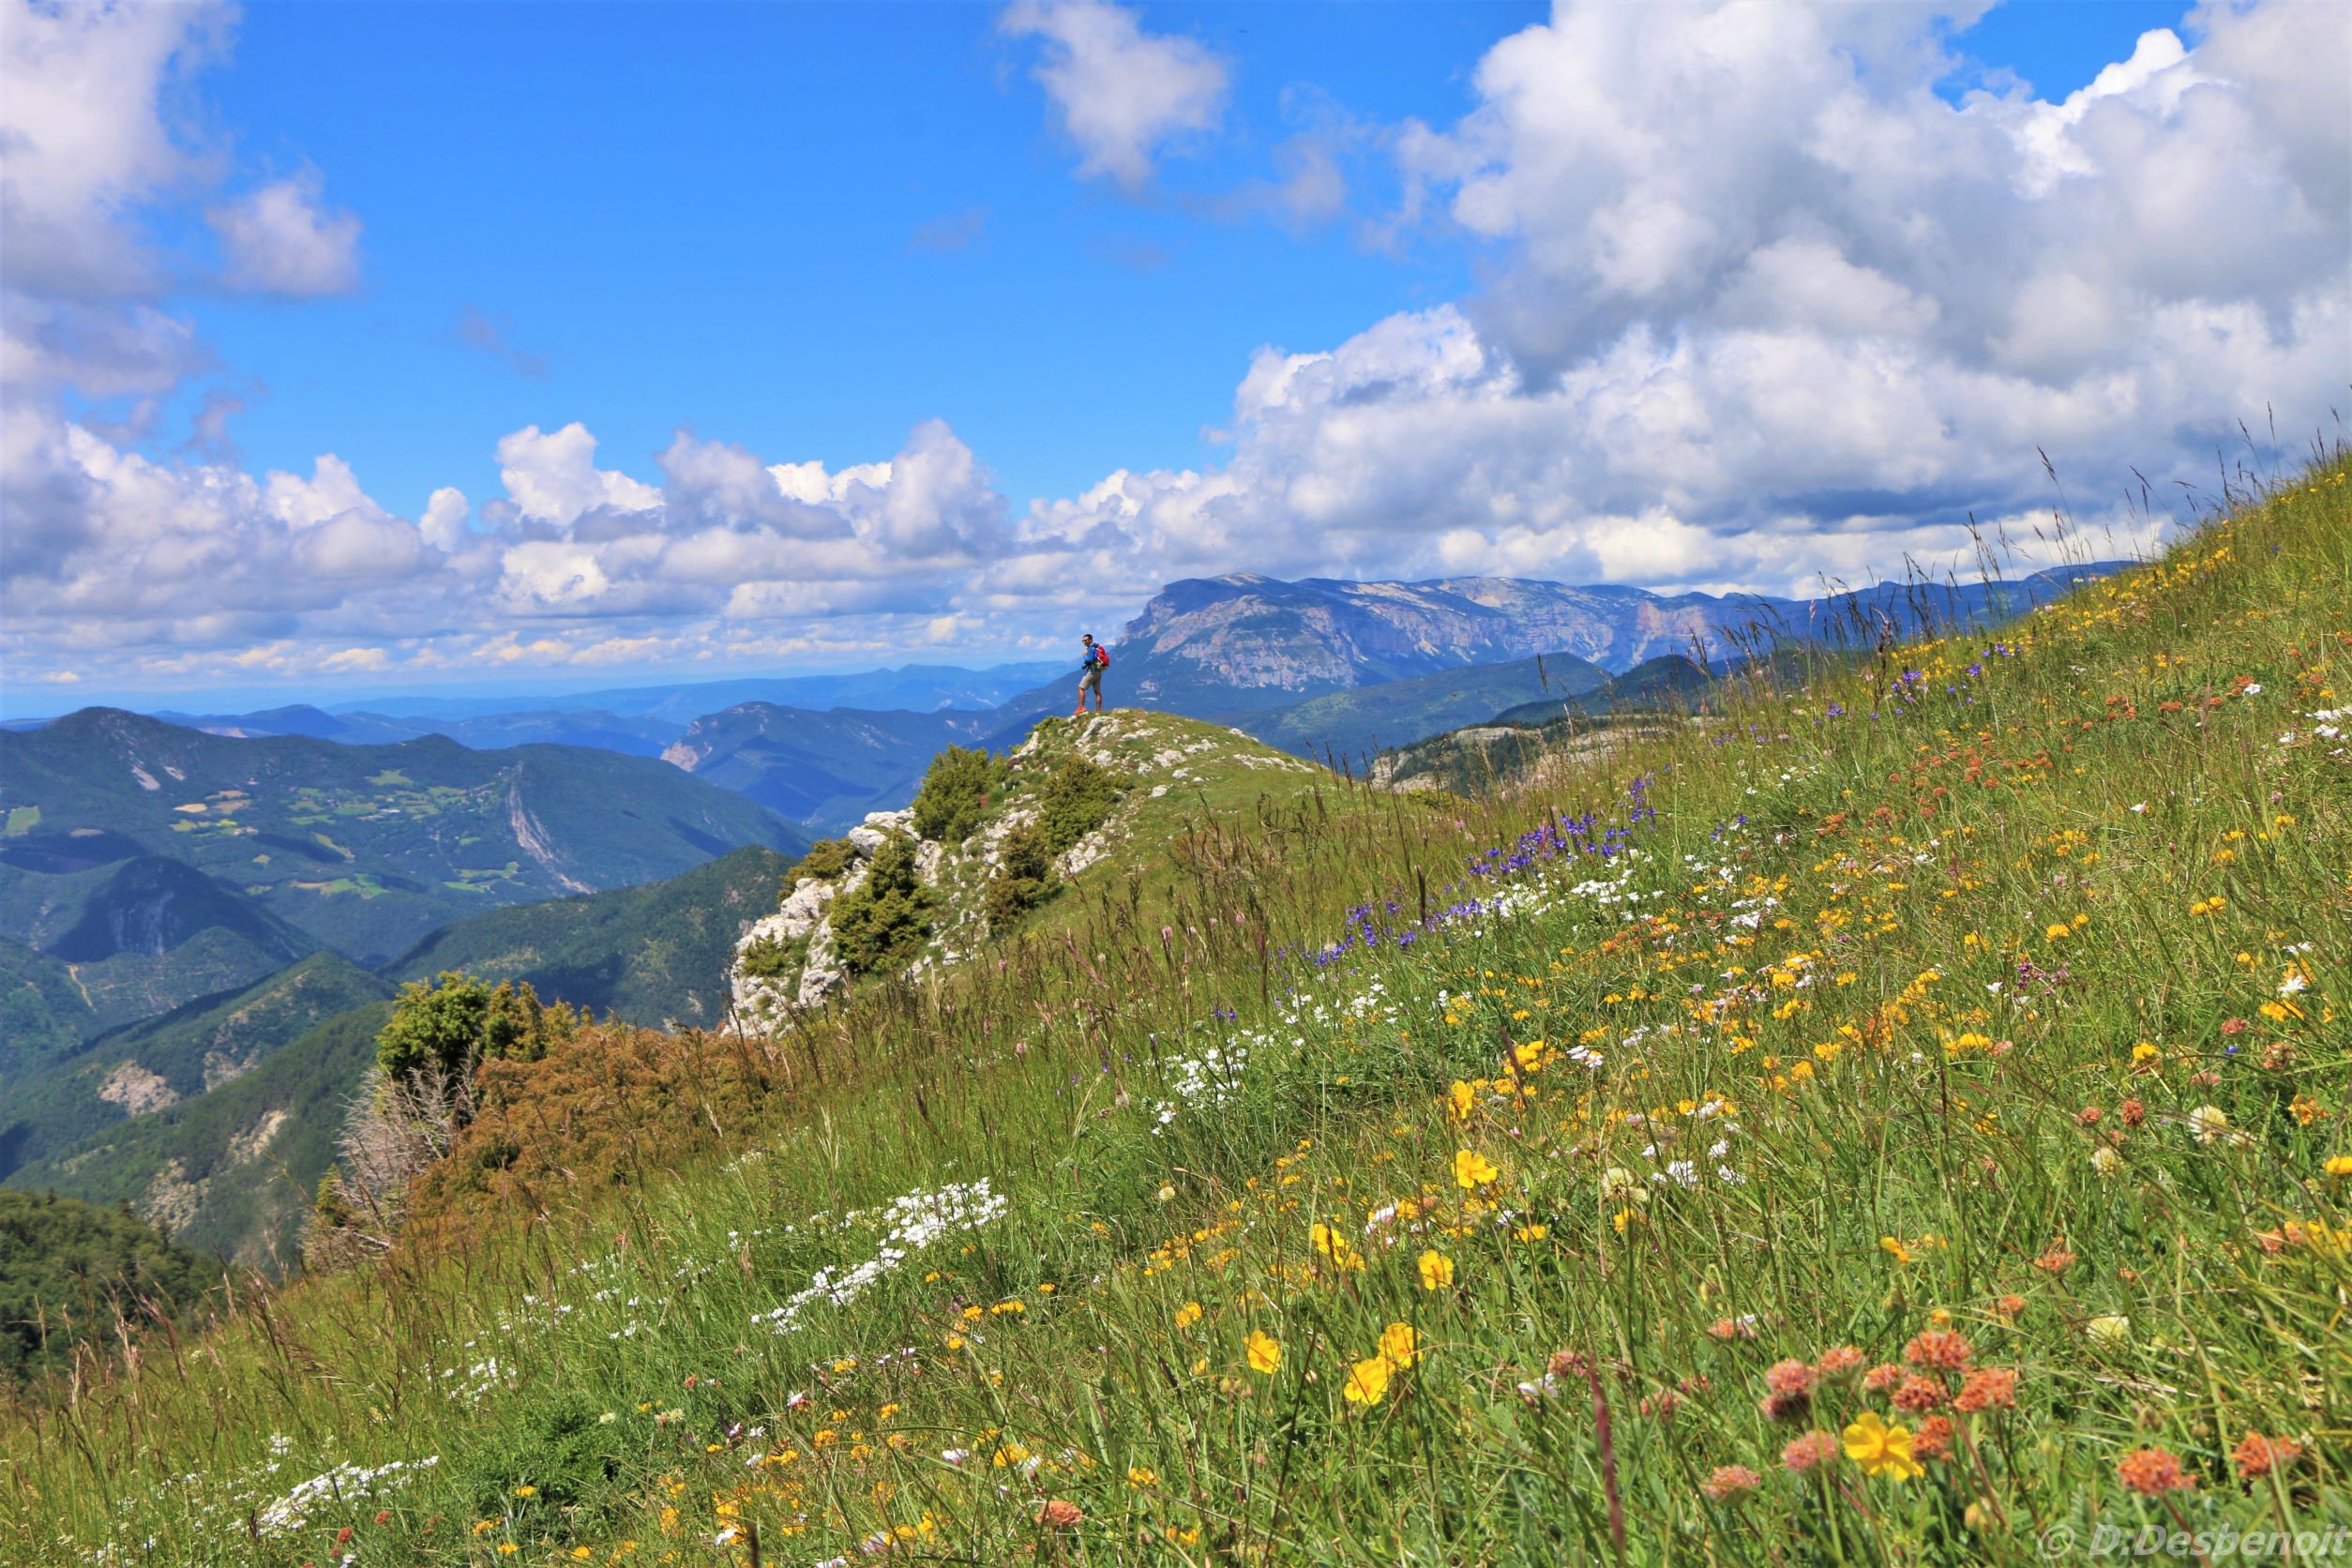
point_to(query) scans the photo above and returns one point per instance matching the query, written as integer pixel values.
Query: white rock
(823, 973)
(867, 838)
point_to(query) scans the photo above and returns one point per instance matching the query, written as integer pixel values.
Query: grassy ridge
(1887, 1122)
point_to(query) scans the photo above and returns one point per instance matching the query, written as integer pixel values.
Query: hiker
(1098, 659)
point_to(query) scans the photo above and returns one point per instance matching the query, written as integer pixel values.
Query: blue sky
(806, 228)
(856, 235)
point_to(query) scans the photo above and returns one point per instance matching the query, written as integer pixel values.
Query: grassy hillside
(652, 955)
(230, 1172)
(367, 848)
(1887, 1122)
(146, 1067)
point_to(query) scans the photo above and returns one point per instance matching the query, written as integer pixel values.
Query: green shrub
(458, 1019)
(826, 859)
(1077, 798)
(958, 790)
(769, 959)
(1025, 878)
(884, 923)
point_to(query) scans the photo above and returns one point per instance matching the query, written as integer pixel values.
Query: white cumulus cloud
(1120, 93)
(282, 240)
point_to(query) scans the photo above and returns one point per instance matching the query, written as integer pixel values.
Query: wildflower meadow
(1899, 1116)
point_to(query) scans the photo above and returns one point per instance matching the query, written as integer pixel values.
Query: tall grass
(1897, 1118)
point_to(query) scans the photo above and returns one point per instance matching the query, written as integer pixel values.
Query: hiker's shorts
(1091, 680)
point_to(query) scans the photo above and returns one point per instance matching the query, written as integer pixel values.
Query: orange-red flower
(1940, 1349)
(2257, 1456)
(1919, 1394)
(2153, 1472)
(1811, 1452)
(1838, 1362)
(1729, 1483)
(1988, 1388)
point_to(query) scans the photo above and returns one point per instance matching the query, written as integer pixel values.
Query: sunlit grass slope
(1886, 1123)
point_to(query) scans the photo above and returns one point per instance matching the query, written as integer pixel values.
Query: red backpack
(1102, 656)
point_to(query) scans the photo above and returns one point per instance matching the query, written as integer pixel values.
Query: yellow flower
(1187, 1314)
(2054, 931)
(526, 1491)
(507, 1548)
(1460, 1097)
(1473, 1169)
(1880, 1449)
(1140, 1476)
(1367, 1381)
(1400, 1346)
(1437, 1271)
(2339, 1164)
(1265, 1352)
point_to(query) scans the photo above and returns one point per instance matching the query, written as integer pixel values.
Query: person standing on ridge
(1098, 659)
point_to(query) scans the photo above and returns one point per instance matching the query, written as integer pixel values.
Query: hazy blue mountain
(631, 737)
(822, 771)
(918, 687)
(365, 848)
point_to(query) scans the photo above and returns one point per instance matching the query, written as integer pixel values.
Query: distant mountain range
(822, 771)
(364, 848)
(1322, 666)
(1230, 646)
(219, 1116)
(1347, 728)
(655, 954)
(589, 727)
(916, 687)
